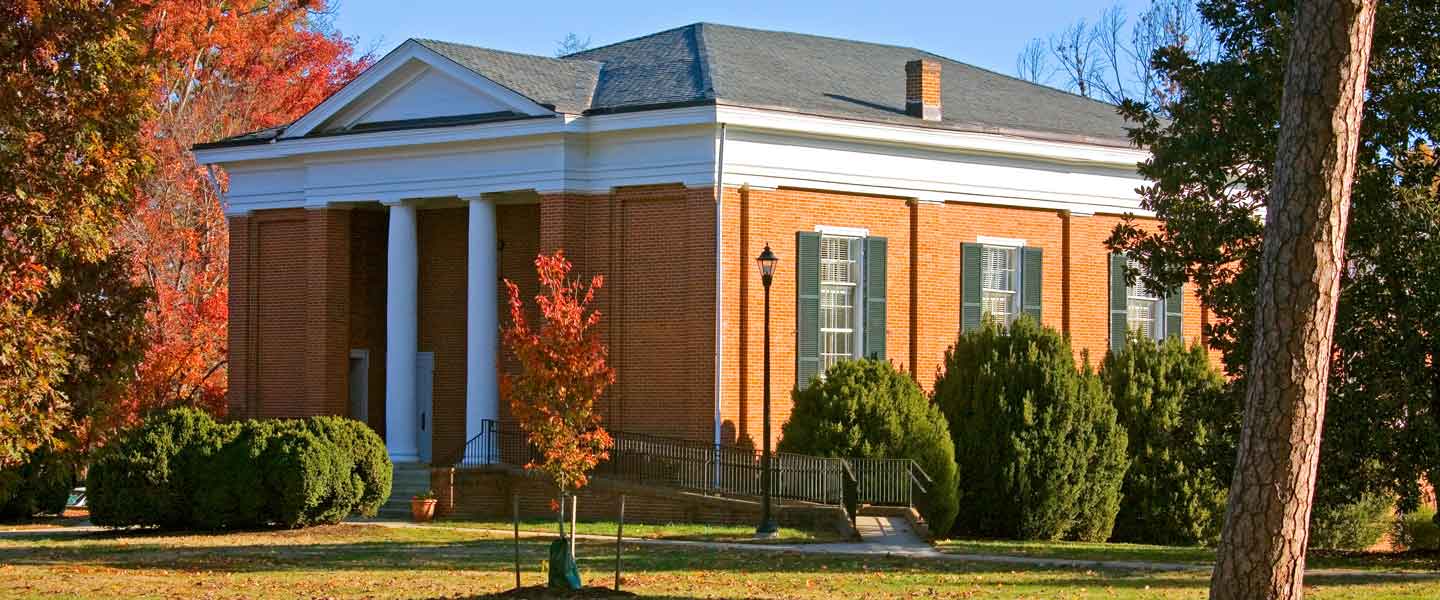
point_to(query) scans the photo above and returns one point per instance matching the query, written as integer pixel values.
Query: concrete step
(408, 481)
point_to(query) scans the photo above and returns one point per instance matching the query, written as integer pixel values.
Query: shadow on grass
(141, 550)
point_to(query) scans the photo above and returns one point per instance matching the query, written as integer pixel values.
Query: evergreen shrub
(869, 409)
(1174, 406)
(1040, 453)
(182, 470)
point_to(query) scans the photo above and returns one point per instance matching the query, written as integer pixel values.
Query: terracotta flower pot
(422, 509)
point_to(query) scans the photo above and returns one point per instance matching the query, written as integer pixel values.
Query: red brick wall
(369, 241)
(655, 246)
(290, 303)
(443, 234)
(923, 283)
(269, 313)
(327, 312)
(240, 359)
(519, 231)
(756, 217)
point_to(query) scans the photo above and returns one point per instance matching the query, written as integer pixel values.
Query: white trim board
(1000, 241)
(854, 232)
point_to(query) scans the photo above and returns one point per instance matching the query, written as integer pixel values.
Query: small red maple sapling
(563, 372)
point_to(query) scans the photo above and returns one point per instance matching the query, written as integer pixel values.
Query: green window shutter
(1119, 321)
(875, 262)
(1032, 266)
(970, 309)
(807, 309)
(1174, 310)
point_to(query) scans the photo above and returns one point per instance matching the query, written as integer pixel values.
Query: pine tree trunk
(1262, 548)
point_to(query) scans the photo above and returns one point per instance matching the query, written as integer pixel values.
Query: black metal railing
(890, 481)
(720, 469)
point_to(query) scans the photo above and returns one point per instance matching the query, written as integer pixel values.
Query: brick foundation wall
(487, 494)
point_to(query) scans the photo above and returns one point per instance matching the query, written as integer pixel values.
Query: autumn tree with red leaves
(222, 68)
(563, 372)
(75, 96)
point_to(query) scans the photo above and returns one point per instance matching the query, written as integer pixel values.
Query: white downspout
(719, 284)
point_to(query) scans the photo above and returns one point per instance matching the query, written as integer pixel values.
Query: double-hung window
(1135, 308)
(839, 283)
(1145, 310)
(999, 277)
(1000, 282)
(840, 299)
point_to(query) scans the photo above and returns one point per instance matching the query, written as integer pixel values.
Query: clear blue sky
(985, 33)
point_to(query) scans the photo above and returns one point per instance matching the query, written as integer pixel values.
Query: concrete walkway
(890, 535)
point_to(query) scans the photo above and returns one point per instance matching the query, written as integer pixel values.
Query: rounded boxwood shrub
(181, 469)
(372, 465)
(229, 494)
(40, 485)
(144, 477)
(1174, 407)
(1040, 453)
(308, 479)
(868, 409)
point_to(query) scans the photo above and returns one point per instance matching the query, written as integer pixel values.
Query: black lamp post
(767, 528)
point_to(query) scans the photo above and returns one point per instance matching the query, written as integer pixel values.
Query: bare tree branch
(571, 44)
(1033, 63)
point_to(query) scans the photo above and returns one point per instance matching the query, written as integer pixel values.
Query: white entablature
(329, 156)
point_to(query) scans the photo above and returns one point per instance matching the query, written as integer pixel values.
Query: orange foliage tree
(75, 88)
(563, 372)
(222, 68)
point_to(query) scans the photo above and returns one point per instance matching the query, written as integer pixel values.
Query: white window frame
(856, 246)
(1137, 293)
(1016, 247)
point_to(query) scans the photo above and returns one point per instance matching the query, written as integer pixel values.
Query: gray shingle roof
(565, 84)
(706, 63)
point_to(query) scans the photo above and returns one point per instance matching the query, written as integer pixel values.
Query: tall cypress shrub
(1041, 455)
(1174, 407)
(868, 409)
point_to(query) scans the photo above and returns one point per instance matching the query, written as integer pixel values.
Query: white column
(402, 281)
(482, 317)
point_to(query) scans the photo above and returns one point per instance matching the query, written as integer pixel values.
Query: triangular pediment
(412, 86)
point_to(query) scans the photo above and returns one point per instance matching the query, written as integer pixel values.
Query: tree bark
(1262, 547)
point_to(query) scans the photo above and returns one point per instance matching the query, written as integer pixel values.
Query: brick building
(905, 193)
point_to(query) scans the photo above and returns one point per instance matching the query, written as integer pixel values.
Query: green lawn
(362, 561)
(1408, 561)
(669, 531)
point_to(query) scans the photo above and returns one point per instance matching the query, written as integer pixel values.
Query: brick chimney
(922, 89)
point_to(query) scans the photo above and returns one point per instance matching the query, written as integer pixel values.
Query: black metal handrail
(720, 469)
(890, 481)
